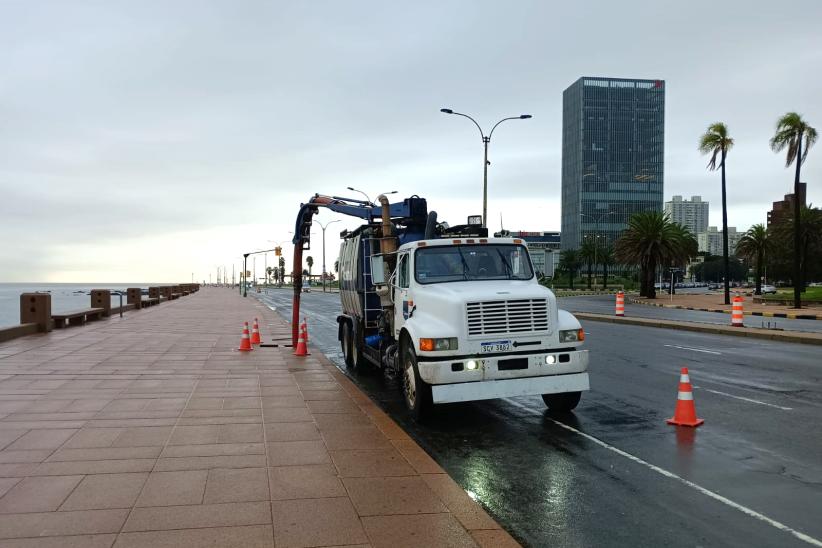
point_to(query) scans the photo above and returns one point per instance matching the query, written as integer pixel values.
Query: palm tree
(810, 237)
(606, 259)
(792, 132)
(268, 272)
(716, 142)
(650, 241)
(569, 262)
(310, 262)
(588, 255)
(281, 263)
(752, 246)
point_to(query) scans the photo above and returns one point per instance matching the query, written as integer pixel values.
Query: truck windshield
(457, 263)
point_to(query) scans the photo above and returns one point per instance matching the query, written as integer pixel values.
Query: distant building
(784, 208)
(543, 248)
(692, 214)
(613, 144)
(710, 241)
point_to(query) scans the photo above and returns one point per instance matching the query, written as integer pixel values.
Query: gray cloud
(124, 121)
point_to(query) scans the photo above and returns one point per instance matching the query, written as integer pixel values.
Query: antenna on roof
(501, 228)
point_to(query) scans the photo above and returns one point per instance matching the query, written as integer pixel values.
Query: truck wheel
(562, 402)
(416, 392)
(358, 361)
(345, 343)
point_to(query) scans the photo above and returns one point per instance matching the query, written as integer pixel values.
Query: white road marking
(745, 399)
(708, 493)
(693, 349)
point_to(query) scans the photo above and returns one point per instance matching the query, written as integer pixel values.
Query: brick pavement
(151, 430)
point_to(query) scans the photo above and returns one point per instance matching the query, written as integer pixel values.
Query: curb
(785, 315)
(752, 332)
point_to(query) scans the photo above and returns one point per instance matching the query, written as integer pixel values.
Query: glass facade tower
(613, 142)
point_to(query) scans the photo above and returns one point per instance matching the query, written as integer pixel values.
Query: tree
(337, 266)
(588, 255)
(810, 238)
(569, 262)
(606, 259)
(716, 142)
(650, 241)
(310, 262)
(282, 270)
(752, 246)
(792, 132)
(268, 272)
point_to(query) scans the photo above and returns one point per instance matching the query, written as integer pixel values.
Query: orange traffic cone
(255, 333)
(685, 413)
(302, 347)
(245, 342)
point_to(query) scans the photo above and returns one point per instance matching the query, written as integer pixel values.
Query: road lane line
(708, 493)
(745, 399)
(693, 349)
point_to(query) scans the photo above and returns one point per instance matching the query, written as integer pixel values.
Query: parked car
(766, 289)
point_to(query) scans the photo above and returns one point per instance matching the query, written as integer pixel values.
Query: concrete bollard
(36, 308)
(101, 298)
(134, 295)
(153, 292)
(165, 291)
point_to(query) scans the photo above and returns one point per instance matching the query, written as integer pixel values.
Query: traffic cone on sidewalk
(302, 347)
(685, 412)
(255, 333)
(245, 341)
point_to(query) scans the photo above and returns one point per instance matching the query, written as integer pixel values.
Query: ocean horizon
(64, 296)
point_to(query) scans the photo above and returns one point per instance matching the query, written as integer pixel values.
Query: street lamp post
(243, 277)
(324, 227)
(368, 200)
(486, 139)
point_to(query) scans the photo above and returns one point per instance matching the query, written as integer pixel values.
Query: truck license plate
(495, 346)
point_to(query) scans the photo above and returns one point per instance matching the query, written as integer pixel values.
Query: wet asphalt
(550, 484)
(604, 304)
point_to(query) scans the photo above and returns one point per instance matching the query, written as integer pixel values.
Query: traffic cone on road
(619, 309)
(737, 313)
(255, 333)
(685, 412)
(302, 347)
(245, 341)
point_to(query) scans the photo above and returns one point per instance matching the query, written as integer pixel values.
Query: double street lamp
(485, 140)
(324, 227)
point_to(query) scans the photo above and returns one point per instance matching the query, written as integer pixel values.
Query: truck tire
(358, 361)
(345, 343)
(562, 402)
(416, 392)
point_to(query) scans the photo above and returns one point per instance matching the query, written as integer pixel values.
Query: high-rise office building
(613, 139)
(692, 214)
(784, 209)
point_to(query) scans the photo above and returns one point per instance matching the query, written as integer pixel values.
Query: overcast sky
(147, 141)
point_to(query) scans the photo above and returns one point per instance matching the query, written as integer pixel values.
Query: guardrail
(36, 315)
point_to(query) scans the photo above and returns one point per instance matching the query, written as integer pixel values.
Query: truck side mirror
(378, 270)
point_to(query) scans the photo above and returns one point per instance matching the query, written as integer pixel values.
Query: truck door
(402, 305)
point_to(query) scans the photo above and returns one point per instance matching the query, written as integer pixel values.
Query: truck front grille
(516, 316)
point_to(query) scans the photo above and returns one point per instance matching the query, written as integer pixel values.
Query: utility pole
(324, 227)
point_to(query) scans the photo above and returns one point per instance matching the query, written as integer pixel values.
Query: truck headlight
(572, 335)
(430, 345)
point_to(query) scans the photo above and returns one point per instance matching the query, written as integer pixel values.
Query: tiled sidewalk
(152, 430)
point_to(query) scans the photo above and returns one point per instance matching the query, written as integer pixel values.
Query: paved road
(613, 473)
(604, 304)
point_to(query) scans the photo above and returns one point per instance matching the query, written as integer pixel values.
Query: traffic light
(278, 251)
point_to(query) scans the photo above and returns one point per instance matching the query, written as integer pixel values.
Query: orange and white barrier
(685, 412)
(737, 313)
(620, 304)
(245, 341)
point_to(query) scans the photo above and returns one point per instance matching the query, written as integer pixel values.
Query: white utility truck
(457, 315)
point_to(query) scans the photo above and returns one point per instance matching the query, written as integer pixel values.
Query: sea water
(64, 297)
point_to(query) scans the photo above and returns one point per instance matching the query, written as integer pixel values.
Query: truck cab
(472, 323)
